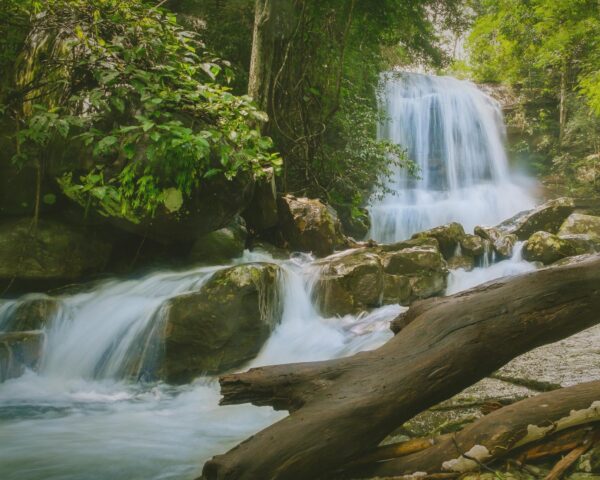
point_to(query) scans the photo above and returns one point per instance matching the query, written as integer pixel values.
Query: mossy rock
(308, 225)
(349, 283)
(51, 252)
(221, 245)
(221, 326)
(19, 351)
(548, 248)
(580, 224)
(548, 217)
(31, 313)
(448, 236)
(472, 245)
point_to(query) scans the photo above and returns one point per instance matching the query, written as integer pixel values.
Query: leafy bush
(141, 98)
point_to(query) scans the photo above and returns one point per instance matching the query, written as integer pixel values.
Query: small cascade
(460, 279)
(85, 416)
(455, 134)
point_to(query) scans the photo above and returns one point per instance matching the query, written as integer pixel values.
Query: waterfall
(455, 134)
(84, 416)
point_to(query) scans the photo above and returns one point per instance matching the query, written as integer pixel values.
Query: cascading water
(455, 134)
(81, 417)
(91, 411)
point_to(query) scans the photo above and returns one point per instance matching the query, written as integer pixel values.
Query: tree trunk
(562, 121)
(345, 407)
(261, 60)
(500, 432)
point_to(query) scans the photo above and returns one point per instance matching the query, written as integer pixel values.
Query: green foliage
(326, 57)
(549, 51)
(140, 97)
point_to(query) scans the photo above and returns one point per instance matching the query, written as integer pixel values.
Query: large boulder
(221, 245)
(367, 277)
(548, 217)
(50, 253)
(580, 224)
(548, 248)
(221, 326)
(308, 225)
(261, 213)
(19, 351)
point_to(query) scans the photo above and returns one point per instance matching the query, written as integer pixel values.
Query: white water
(455, 134)
(79, 419)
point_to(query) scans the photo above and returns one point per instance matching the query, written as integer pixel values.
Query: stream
(78, 418)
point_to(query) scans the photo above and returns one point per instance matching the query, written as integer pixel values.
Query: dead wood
(345, 407)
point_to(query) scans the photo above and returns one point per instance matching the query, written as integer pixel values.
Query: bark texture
(495, 435)
(345, 407)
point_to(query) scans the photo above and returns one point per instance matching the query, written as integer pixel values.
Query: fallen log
(502, 432)
(345, 407)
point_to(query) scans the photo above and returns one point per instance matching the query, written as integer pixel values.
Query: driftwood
(345, 407)
(503, 431)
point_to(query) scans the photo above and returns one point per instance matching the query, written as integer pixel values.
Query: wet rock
(367, 277)
(221, 326)
(19, 351)
(308, 225)
(472, 245)
(51, 252)
(32, 314)
(503, 243)
(349, 282)
(396, 289)
(548, 248)
(548, 217)
(261, 213)
(461, 261)
(221, 245)
(448, 236)
(580, 224)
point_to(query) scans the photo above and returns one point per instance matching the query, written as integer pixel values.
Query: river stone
(580, 224)
(32, 313)
(367, 277)
(52, 252)
(19, 351)
(548, 217)
(349, 282)
(261, 213)
(461, 261)
(308, 225)
(548, 248)
(413, 261)
(502, 242)
(221, 245)
(396, 289)
(448, 236)
(472, 245)
(221, 326)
